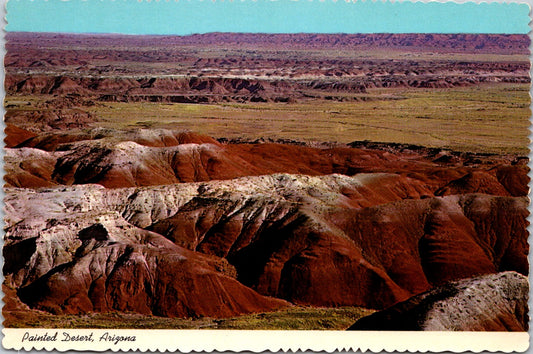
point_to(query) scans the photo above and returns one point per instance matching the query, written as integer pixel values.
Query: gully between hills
(176, 224)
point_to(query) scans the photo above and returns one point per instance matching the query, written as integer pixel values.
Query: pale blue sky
(282, 16)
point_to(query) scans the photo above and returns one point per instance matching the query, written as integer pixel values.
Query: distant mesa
(471, 43)
(108, 70)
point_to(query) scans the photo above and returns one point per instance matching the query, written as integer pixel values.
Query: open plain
(229, 180)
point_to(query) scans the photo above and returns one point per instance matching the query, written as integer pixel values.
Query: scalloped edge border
(187, 341)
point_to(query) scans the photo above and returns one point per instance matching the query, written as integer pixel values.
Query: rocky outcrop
(495, 302)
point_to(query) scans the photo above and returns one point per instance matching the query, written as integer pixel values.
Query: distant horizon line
(265, 33)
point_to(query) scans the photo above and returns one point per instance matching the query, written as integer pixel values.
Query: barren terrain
(216, 180)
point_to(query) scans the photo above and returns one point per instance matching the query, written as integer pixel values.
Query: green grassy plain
(485, 118)
(488, 118)
(297, 318)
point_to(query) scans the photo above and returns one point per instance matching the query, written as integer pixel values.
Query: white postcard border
(187, 341)
(204, 340)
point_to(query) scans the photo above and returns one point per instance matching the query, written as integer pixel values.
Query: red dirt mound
(29, 168)
(474, 182)
(514, 178)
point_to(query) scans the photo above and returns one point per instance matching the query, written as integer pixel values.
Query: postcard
(266, 175)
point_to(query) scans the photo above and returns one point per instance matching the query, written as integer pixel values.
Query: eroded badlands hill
(285, 236)
(400, 223)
